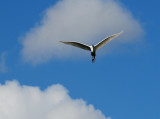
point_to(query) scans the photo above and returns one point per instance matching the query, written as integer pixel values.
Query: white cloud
(86, 21)
(27, 102)
(3, 67)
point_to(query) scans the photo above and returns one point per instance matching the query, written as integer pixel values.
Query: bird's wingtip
(61, 41)
(121, 31)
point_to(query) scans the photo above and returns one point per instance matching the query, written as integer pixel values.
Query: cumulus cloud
(27, 102)
(86, 21)
(3, 67)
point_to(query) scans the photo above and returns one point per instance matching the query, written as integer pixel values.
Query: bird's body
(92, 48)
(93, 52)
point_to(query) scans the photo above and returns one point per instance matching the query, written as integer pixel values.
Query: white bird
(92, 48)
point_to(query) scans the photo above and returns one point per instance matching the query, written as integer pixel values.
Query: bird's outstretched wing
(106, 40)
(76, 44)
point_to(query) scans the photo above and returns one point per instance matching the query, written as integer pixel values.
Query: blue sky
(122, 84)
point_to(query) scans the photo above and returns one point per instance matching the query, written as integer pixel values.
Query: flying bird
(92, 48)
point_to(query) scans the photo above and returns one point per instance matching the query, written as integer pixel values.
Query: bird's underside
(92, 48)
